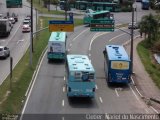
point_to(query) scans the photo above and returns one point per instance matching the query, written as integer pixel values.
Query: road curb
(144, 98)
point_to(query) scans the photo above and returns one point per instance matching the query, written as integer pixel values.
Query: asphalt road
(48, 93)
(17, 41)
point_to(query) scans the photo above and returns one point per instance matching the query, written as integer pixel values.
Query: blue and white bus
(80, 76)
(117, 64)
(57, 46)
(145, 4)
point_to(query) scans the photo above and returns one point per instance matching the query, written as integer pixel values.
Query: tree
(149, 26)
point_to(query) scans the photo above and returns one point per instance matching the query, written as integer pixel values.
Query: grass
(150, 65)
(44, 10)
(22, 74)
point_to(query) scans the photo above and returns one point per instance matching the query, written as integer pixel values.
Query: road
(47, 97)
(48, 93)
(17, 41)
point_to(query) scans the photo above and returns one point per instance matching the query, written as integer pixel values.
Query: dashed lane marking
(116, 92)
(63, 103)
(100, 99)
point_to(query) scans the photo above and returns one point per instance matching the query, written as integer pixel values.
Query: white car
(135, 25)
(27, 22)
(12, 20)
(4, 52)
(27, 18)
(26, 28)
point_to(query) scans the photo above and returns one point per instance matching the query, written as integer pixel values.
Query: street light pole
(66, 8)
(131, 51)
(31, 35)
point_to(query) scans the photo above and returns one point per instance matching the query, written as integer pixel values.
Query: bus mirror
(104, 52)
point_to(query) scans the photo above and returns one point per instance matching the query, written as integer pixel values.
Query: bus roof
(79, 63)
(117, 52)
(58, 36)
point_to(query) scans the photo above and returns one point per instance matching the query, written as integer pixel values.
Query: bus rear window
(122, 65)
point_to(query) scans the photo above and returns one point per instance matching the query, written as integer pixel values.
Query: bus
(110, 6)
(80, 76)
(57, 46)
(90, 15)
(117, 64)
(14, 3)
(145, 4)
(81, 5)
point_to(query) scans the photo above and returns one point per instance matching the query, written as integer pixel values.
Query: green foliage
(151, 67)
(22, 73)
(149, 26)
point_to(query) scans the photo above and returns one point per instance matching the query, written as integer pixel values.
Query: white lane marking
(2, 40)
(32, 86)
(80, 34)
(62, 118)
(116, 37)
(64, 78)
(106, 116)
(13, 35)
(132, 81)
(96, 86)
(94, 37)
(64, 89)
(129, 40)
(89, 55)
(20, 41)
(116, 92)
(63, 103)
(70, 45)
(154, 109)
(134, 93)
(68, 50)
(139, 92)
(146, 111)
(100, 99)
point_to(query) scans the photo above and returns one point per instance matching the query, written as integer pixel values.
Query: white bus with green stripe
(57, 46)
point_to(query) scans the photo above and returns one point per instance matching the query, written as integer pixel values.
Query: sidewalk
(143, 82)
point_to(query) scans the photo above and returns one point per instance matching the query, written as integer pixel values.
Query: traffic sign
(104, 21)
(13, 3)
(60, 22)
(65, 26)
(102, 25)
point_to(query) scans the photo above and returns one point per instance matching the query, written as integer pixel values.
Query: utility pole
(31, 35)
(49, 5)
(131, 51)
(66, 8)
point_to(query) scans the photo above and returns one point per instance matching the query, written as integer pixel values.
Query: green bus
(90, 15)
(81, 5)
(99, 5)
(14, 3)
(110, 6)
